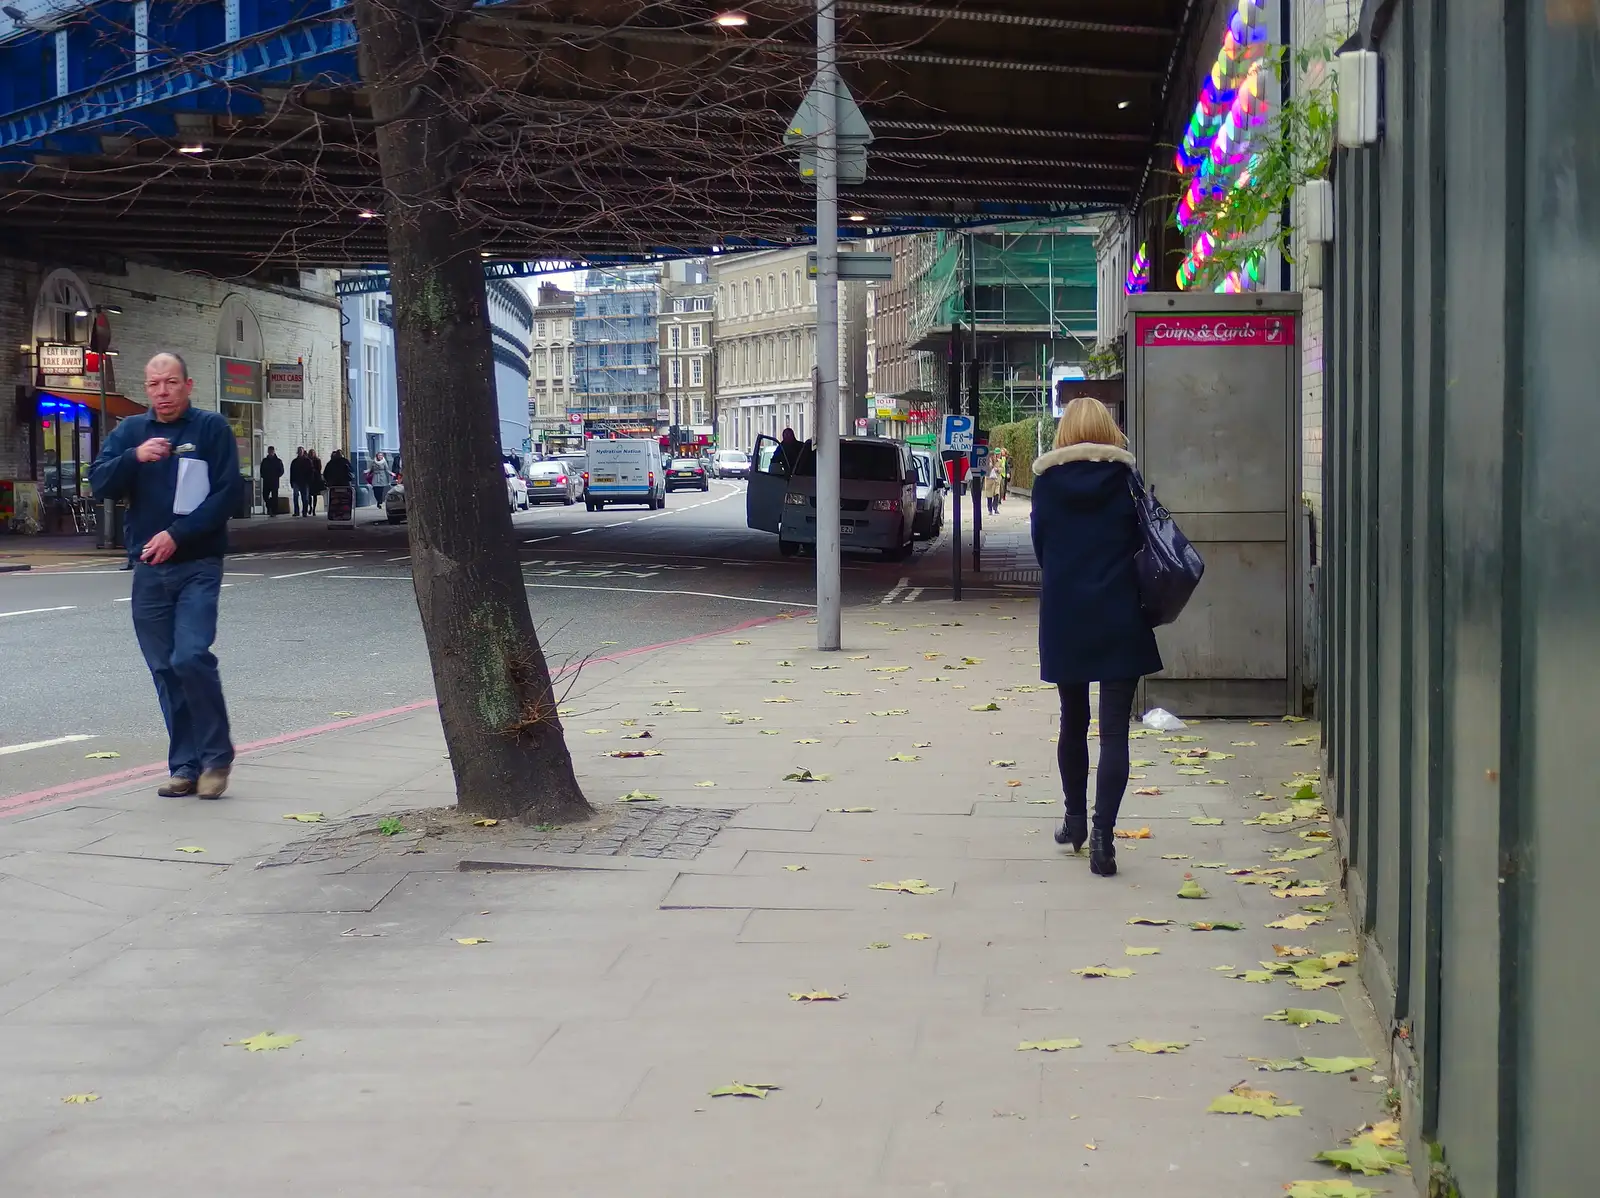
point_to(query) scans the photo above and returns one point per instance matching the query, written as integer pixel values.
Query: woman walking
(1091, 628)
(381, 478)
(991, 491)
(314, 481)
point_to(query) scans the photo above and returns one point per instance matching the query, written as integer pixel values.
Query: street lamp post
(107, 536)
(827, 417)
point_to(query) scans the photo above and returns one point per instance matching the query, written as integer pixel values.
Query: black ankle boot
(1074, 830)
(1102, 853)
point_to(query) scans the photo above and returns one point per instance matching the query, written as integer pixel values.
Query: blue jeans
(175, 619)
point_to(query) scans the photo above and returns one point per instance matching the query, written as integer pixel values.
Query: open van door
(763, 498)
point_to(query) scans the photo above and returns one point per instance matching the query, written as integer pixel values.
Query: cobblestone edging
(675, 833)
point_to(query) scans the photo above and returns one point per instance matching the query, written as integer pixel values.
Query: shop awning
(117, 404)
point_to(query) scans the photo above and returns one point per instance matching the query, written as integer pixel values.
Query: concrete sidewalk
(629, 967)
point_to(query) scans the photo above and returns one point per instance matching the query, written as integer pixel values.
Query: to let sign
(1156, 332)
(239, 379)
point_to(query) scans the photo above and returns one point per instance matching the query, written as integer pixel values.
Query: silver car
(553, 481)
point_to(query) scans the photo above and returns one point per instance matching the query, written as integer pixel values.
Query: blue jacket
(149, 487)
(1085, 533)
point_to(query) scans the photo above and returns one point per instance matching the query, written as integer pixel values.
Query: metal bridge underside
(983, 111)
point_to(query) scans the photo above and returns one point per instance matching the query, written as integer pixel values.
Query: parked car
(630, 470)
(516, 489)
(731, 463)
(577, 467)
(394, 503)
(552, 481)
(877, 496)
(931, 487)
(687, 472)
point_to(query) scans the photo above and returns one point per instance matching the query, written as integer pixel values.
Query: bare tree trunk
(490, 674)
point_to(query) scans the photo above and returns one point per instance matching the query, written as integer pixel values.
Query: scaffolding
(616, 343)
(1029, 291)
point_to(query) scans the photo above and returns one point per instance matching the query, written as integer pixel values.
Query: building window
(697, 335)
(703, 304)
(697, 377)
(760, 302)
(369, 309)
(557, 356)
(538, 330)
(772, 290)
(674, 336)
(786, 294)
(538, 366)
(758, 373)
(797, 291)
(744, 300)
(783, 357)
(676, 372)
(372, 383)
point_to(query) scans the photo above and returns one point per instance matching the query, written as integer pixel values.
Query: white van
(629, 471)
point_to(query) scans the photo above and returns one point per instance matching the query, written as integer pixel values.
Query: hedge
(1020, 441)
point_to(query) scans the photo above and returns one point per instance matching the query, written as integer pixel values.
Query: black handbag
(1167, 566)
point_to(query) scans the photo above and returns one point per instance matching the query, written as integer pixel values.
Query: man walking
(271, 473)
(178, 468)
(300, 481)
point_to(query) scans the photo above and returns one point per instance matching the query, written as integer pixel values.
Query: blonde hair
(1087, 419)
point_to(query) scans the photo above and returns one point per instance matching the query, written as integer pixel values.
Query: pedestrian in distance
(315, 485)
(381, 477)
(991, 491)
(271, 475)
(300, 481)
(789, 450)
(337, 472)
(1091, 627)
(177, 466)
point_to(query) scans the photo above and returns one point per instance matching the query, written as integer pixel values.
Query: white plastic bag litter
(1162, 720)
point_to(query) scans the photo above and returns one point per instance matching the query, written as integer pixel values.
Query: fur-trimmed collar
(1084, 451)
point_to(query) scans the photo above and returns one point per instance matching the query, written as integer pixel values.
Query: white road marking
(45, 744)
(556, 586)
(404, 557)
(34, 611)
(303, 573)
(894, 592)
(580, 532)
(525, 541)
(124, 599)
(911, 595)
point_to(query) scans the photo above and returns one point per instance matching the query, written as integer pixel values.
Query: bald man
(177, 467)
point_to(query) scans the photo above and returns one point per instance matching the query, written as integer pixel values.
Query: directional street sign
(955, 434)
(859, 267)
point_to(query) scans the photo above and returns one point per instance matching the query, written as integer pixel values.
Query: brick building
(266, 355)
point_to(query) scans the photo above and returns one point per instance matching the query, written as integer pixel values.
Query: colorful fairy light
(1138, 280)
(1214, 157)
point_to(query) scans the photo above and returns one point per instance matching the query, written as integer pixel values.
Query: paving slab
(622, 975)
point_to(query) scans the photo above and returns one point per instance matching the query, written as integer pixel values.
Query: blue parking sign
(956, 434)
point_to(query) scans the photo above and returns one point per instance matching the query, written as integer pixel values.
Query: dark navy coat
(1085, 533)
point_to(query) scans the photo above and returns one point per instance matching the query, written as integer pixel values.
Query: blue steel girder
(100, 106)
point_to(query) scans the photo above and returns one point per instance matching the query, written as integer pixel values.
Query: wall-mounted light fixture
(1360, 97)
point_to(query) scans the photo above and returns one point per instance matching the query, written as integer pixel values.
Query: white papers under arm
(194, 484)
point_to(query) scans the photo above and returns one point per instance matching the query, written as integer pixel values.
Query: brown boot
(213, 783)
(177, 787)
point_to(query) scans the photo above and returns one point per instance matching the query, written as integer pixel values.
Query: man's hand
(154, 450)
(159, 547)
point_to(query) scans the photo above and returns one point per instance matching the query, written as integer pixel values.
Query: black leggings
(1072, 749)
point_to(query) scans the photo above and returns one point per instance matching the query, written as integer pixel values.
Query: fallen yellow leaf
(189, 848)
(1048, 1045)
(472, 940)
(264, 1042)
(917, 936)
(814, 996)
(305, 817)
(80, 1099)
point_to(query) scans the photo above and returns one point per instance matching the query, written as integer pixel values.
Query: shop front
(241, 389)
(65, 415)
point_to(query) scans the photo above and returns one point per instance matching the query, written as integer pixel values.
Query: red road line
(53, 795)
